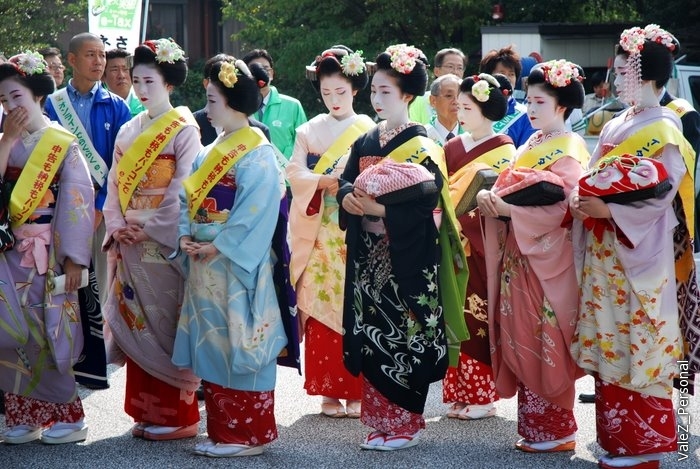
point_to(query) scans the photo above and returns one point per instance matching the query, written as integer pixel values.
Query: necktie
(449, 137)
(260, 112)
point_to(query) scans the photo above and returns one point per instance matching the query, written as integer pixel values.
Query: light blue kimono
(230, 331)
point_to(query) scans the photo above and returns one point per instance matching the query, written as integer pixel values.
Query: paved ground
(310, 440)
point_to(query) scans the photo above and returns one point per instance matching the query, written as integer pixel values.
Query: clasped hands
(130, 234)
(492, 205)
(582, 207)
(198, 251)
(358, 202)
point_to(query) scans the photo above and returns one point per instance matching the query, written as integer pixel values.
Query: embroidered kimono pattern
(393, 319)
(318, 259)
(145, 288)
(41, 335)
(230, 330)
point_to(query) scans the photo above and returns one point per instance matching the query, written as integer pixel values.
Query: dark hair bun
(496, 106)
(570, 95)
(330, 63)
(413, 81)
(41, 84)
(174, 73)
(243, 95)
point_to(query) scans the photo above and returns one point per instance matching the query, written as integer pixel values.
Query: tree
(32, 24)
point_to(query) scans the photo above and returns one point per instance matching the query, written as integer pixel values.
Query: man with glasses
(443, 99)
(448, 60)
(52, 56)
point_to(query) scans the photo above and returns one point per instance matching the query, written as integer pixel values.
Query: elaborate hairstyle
(408, 65)
(239, 83)
(339, 60)
(489, 94)
(442, 53)
(649, 53)
(30, 69)
(561, 79)
(258, 54)
(506, 56)
(168, 58)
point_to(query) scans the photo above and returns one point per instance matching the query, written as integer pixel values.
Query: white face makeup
(217, 109)
(387, 99)
(469, 115)
(542, 109)
(338, 95)
(13, 94)
(150, 87)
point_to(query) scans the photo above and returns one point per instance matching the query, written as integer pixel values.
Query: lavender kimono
(40, 333)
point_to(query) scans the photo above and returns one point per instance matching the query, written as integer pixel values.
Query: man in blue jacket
(95, 115)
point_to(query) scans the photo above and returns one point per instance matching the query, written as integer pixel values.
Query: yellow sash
(219, 161)
(453, 271)
(648, 141)
(330, 157)
(37, 174)
(546, 153)
(680, 107)
(497, 159)
(145, 149)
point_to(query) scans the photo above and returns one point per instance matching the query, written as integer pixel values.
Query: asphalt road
(307, 439)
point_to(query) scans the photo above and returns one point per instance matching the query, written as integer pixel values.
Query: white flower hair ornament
(403, 57)
(29, 63)
(353, 64)
(481, 90)
(166, 50)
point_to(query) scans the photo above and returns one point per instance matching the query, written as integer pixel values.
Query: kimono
(230, 330)
(146, 290)
(532, 302)
(628, 332)
(392, 314)
(318, 258)
(41, 335)
(471, 382)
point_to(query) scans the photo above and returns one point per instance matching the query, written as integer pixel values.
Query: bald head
(77, 42)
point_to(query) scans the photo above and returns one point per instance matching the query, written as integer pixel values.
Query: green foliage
(191, 93)
(32, 24)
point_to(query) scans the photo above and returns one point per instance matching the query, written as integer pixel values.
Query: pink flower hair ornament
(403, 57)
(560, 73)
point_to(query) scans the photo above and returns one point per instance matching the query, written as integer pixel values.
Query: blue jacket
(109, 112)
(520, 130)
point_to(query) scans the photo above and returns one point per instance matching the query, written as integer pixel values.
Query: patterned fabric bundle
(391, 182)
(527, 187)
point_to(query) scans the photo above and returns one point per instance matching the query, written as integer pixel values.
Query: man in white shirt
(443, 98)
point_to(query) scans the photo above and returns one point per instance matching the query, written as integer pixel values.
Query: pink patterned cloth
(540, 420)
(390, 176)
(33, 239)
(240, 417)
(20, 410)
(383, 415)
(513, 179)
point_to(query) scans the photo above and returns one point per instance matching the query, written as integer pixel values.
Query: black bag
(7, 238)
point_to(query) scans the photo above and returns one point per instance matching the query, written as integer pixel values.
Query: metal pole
(144, 22)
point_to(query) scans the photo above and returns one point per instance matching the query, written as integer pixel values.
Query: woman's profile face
(14, 94)
(337, 94)
(620, 68)
(543, 109)
(387, 98)
(469, 114)
(217, 108)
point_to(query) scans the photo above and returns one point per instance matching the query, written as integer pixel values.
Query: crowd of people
(457, 236)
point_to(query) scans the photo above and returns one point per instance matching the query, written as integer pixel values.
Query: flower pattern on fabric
(383, 415)
(20, 410)
(540, 420)
(471, 382)
(618, 334)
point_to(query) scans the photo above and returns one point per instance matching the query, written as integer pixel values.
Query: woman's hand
(575, 206)
(15, 122)
(329, 184)
(369, 205)
(492, 205)
(131, 234)
(594, 207)
(73, 273)
(204, 252)
(352, 205)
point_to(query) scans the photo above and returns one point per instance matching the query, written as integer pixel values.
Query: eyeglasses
(448, 96)
(56, 68)
(453, 68)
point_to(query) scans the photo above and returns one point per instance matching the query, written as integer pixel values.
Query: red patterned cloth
(240, 417)
(21, 410)
(540, 420)
(325, 372)
(383, 415)
(631, 423)
(471, 382)
(150, 400)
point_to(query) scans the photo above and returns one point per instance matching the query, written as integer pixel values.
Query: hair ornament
(353, 64)
(29, 63)
(560, 73)
(403, 57)
(481, 90)
(166, 50)
(228, 74)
